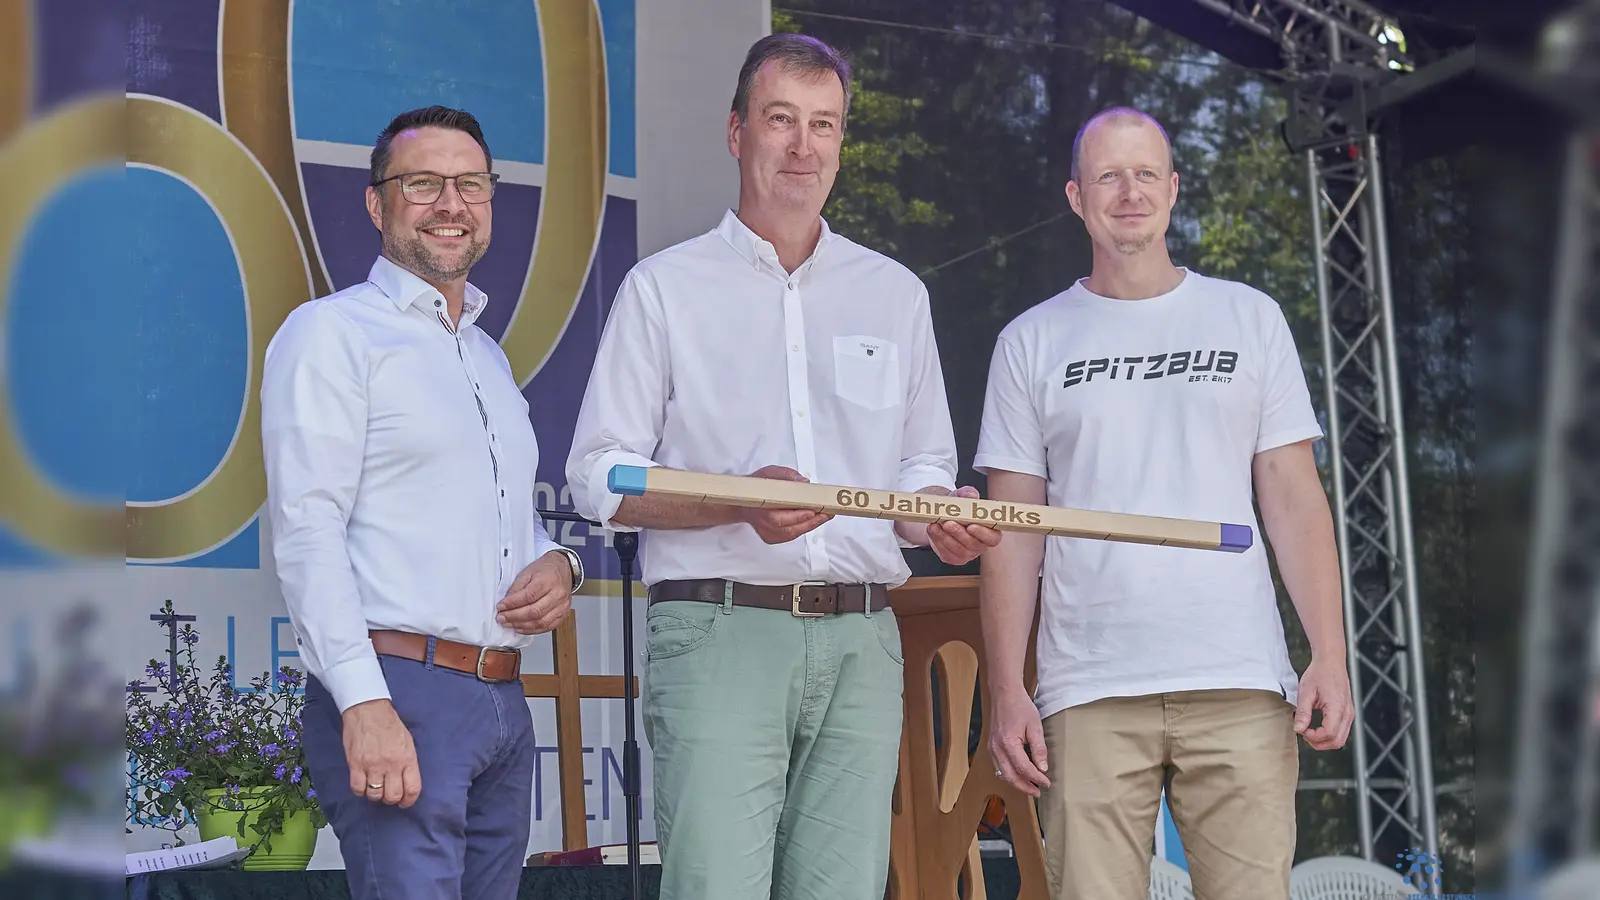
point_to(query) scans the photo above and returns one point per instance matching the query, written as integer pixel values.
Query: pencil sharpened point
(1235, 538)
(627, 480)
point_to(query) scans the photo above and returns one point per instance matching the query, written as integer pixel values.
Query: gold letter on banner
(575, 164)
(84, 135)
(171, 138)
(16, 66)
(255, 105)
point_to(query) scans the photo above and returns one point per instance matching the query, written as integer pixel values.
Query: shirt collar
(755, 249)
(404, 288)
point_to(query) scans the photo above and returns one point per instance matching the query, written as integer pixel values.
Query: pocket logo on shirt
(1212, 365)
(867, 371)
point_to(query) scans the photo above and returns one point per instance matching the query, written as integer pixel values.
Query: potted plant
(230, 758)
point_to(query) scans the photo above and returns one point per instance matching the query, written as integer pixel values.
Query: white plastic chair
(1168, 882)
(1346, 878)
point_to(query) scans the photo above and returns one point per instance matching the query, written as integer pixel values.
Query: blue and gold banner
(180, 175)
(247, 127)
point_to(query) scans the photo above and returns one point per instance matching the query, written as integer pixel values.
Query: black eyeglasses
(423, 188)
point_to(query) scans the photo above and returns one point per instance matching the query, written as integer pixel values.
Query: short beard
(1134, 246)
(413, 254)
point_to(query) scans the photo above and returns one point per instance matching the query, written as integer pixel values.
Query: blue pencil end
(628, 480)
(1235, 538)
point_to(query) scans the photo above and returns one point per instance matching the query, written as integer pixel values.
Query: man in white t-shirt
(1151, 389)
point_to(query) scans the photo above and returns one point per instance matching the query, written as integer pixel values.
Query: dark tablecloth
(544, 883)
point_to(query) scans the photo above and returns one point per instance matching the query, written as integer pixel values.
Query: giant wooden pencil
(744, 490)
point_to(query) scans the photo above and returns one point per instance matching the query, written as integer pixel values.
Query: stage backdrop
(248, 125)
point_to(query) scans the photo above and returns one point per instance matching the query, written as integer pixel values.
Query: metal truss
(1320, 37)
(1372, 508)
(1556, 780)
(1558, 749)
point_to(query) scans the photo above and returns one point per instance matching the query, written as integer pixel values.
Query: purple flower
(213, 736)
(224, 748)
(278, 772)
(311, 793)
(295, 778)
(149, 737)
(271, 750)
(191, 637)
(290, 737)
(156, 670)
(179, 774)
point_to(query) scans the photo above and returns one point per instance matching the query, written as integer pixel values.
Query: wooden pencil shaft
(748, 491)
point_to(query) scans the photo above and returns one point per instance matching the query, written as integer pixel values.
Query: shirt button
(506, 553)
(795, 347)
(438, 303)
(791, 285)
(800, 413)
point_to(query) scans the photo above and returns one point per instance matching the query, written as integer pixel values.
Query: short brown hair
(797, 53)
(426, 117)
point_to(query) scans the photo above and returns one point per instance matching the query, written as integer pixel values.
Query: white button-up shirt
(400, 475)
(715, 359)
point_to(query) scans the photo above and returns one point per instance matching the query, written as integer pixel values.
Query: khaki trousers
(1229, 762)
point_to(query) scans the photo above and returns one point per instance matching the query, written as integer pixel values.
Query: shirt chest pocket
(866, 371)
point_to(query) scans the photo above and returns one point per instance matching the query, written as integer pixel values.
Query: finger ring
(374, 787)
(999, 774)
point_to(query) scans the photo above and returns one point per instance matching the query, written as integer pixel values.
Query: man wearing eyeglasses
(400, 474)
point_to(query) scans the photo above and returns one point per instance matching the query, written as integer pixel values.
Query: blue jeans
(466, 837)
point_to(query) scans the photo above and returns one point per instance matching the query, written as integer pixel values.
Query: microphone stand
(627, 547)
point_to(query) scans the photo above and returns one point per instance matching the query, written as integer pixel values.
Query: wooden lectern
(941, 794)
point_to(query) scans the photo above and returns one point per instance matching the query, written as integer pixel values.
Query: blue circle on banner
(359, 63)
(190, 349)
(68, 319)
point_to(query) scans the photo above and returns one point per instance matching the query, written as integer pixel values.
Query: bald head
(1116, 117)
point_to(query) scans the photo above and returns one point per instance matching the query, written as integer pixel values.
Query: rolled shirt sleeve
(623, 409)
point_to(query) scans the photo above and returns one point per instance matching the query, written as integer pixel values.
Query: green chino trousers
(775, 742)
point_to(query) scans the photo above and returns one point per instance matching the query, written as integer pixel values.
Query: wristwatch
(577, 567)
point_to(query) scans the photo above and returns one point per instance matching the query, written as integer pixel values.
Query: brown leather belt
(808, 598)
(487, 663)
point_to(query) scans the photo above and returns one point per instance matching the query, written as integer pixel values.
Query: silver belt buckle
(794, 603)
(484, 651)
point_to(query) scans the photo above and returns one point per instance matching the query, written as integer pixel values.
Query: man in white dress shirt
(771, 346)
(400, 475)
(1151, 389)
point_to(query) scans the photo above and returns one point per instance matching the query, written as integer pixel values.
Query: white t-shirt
(1153, 407)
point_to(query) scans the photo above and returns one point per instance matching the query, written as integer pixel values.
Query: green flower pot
(26, 811)
(291, 847)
